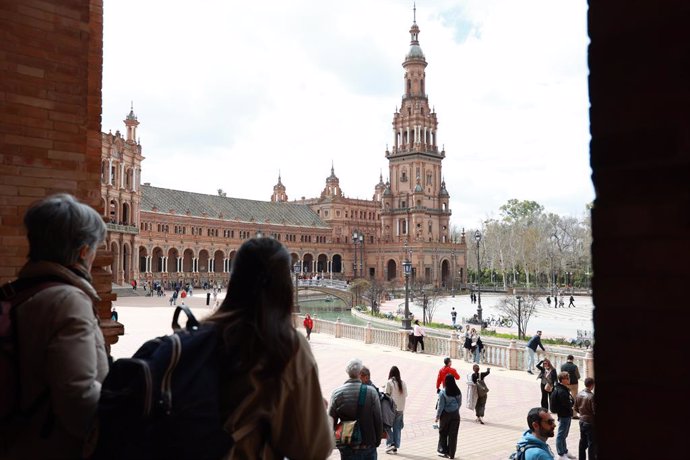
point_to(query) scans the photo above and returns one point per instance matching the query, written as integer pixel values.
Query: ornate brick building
(174, 236)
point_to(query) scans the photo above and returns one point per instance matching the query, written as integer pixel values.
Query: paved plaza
(512, 393)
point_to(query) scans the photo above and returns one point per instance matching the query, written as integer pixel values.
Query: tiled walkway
(511, 395)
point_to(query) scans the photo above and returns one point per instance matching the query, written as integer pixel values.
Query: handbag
(482, 389)
(347, 432)
(548, 387)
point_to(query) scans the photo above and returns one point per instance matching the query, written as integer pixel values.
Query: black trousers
(448, 432)
(588, 446)
(544, 397)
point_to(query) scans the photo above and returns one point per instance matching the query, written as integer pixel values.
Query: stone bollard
(454, 345)
(368, 334)
(589, 363)
(338, 328)
(513, 356)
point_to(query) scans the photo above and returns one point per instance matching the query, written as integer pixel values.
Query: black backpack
(12, 295)
(164, 402)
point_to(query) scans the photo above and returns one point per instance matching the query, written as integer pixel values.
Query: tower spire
(414, 12)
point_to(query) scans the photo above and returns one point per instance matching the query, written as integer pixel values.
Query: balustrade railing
(510, 356)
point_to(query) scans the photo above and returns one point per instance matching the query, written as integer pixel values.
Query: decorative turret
(379, 189)
(279, 194)
(332, 189)
(131, 123)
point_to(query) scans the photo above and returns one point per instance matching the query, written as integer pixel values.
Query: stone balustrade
(510, 356)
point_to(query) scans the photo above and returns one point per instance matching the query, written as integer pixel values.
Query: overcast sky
(230, 93)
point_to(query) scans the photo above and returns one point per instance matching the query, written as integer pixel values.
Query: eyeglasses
(549, 421)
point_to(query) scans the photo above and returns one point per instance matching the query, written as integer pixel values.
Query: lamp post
(407, 268)
(478, 238)
(297, 269)
(519, 316)
(358, 239)
(354, 264)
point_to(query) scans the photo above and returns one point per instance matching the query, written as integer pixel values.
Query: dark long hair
(255, 317)
(394, 374)
(451, 387)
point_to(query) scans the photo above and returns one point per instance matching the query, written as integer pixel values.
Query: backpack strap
(192, 322)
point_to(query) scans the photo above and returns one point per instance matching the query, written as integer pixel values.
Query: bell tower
(416, 209)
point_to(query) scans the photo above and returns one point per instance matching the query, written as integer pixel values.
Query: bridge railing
(334, 284)
(509, 356)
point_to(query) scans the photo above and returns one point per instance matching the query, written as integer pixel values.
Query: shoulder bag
(482, 389)
(347, 433)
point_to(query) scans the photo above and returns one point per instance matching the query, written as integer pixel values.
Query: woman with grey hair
(62, 356)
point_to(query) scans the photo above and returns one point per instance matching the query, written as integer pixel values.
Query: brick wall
(640, 154)
(51, 60)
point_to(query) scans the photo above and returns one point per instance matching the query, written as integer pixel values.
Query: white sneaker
(390, 449)
(569, 455)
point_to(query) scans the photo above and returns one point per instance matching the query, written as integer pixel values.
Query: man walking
(572, 302)
(533, 442)
(445, 370)
(453, 316)
(574, 374)
(584, 404)
(531, 346)
(562, 405)
(345, 406)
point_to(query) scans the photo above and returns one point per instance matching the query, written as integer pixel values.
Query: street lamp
(297, 269)
(519, 316)
(478, 238)
(358, 239)
(407, 268)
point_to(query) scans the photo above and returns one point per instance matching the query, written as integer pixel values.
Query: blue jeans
(563, 429)
(477, 355)
(394, 431)
(358, 454)
(531, 355)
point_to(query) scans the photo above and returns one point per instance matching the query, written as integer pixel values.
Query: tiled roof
(231, 209)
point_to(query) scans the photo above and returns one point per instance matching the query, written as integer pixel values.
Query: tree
(374, 291)
(520, 309)
(357, 287)
(427, 298)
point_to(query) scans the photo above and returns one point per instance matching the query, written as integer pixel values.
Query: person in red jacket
(445, 370)
(308, 325)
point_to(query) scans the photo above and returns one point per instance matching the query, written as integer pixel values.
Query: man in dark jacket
(562, 405)
(532, 345)
(584, 404)
(344, 407)
(574, 373)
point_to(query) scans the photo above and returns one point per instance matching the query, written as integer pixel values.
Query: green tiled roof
(229, 209)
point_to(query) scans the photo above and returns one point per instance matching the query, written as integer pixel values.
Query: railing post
(317, 324)
(454, 343)
(338, 328)
(368, 334)
(512, 356)
(403, 339)
(589, 363)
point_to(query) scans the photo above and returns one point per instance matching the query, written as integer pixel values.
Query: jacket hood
(528, 439)
(43, 268)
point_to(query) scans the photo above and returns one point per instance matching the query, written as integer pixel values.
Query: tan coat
(293, 411)
(62, 351)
